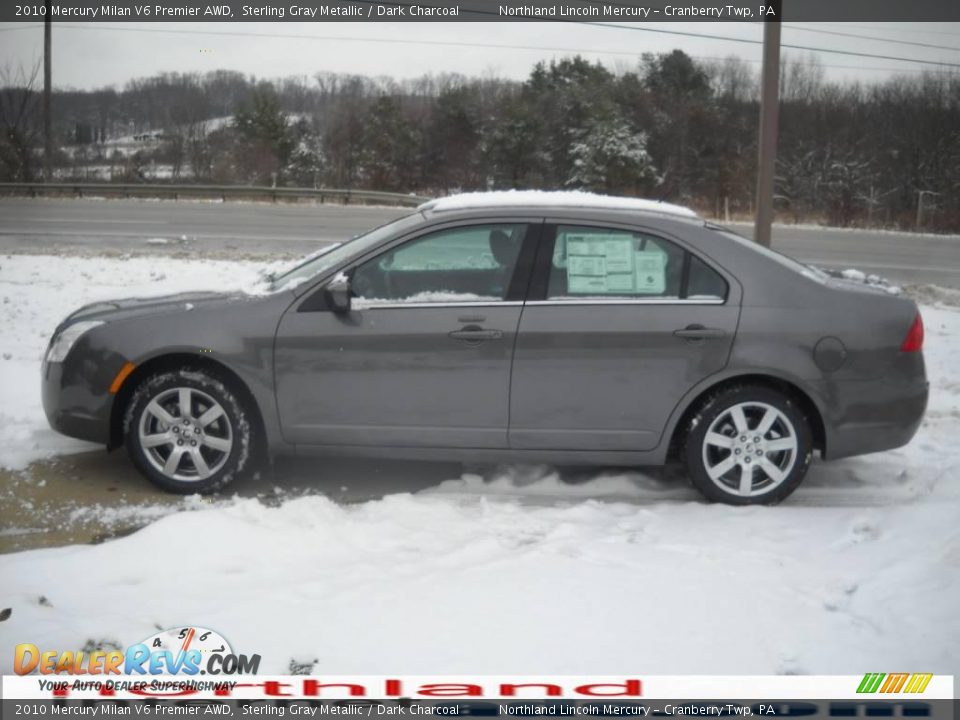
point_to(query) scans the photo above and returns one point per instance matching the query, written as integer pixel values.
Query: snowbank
(858, 276)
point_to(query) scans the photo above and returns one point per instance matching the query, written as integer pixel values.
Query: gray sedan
(541, 327)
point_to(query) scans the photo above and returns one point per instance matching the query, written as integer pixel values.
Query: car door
(423, 356)
(618, 326)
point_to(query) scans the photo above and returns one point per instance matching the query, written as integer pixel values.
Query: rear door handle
(699, 332)
(476, 334)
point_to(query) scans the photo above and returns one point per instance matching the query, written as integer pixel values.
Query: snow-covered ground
(520, 572)
(38, 291)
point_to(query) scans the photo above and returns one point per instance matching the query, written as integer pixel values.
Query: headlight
(65, 340)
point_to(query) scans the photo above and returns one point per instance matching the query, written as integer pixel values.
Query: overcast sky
(101, 54)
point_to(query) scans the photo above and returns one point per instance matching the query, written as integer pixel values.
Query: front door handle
(476, 334)
(699, 332)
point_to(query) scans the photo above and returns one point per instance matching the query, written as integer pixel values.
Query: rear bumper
(72, 405)
(872, 416)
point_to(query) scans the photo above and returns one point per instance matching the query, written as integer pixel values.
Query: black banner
(406, 709)
(600, 11)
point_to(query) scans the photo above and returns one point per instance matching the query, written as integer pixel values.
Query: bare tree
(20, 122)
(801, 80)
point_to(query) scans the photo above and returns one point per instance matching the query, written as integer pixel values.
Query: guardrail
(224, 192)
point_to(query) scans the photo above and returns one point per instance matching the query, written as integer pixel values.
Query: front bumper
(76, 401)
(874, 416)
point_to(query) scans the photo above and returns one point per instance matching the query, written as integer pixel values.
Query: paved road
(262, 228)
(901, 257)
(204, 226)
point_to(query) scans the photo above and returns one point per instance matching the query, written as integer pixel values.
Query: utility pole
(769, 116)
(47, 78)
(922, 194)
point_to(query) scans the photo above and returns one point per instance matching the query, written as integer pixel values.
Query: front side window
(467, 264)
(602, 263)
(328, 258)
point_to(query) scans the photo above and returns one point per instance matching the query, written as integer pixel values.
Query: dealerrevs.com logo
(177, 651)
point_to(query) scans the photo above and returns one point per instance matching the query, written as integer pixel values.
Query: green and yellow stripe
(894, 682)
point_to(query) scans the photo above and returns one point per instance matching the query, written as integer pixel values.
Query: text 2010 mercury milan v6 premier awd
(520, 326)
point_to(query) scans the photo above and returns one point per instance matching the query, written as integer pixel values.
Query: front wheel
(748, 445)
(187, 431)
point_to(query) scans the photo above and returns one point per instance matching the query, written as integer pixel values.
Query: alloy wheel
(750, 449)
(185, 434)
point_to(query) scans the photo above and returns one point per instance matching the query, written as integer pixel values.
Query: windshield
(809, 271)
(329, 257)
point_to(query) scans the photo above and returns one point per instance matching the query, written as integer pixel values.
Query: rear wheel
(187, 431)
(748, 445)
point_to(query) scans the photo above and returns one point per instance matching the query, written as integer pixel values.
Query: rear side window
(704, 282)
(601, 263)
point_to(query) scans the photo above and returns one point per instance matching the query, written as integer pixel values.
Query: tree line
(668, 127)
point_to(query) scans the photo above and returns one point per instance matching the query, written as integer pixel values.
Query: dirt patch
(76, 499)
(96, 496)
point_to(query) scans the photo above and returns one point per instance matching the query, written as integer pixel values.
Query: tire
(198, 451)
(722, 452)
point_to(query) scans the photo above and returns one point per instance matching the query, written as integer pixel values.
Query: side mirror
(337, 293)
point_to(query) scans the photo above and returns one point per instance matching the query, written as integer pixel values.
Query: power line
(748, 41)
(825, 65)
(873, 37)
(662, 5)
(505, 46)
(818, 30)
(707, 36)
(948, 33)
(498, 46)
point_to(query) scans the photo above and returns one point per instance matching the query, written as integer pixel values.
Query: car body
(542, 327)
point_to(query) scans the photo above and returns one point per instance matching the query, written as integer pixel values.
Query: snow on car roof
(544, 198)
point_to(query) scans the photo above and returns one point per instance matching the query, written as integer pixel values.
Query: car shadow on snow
(94, 496)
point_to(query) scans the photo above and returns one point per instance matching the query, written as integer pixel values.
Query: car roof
(553, 200)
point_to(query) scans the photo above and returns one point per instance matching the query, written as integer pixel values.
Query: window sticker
(599, 264)
(619, 253)
(621, 283)
(593, 265)
(651, 272)
(586, 285)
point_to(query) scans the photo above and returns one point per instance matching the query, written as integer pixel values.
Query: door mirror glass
(338, 293)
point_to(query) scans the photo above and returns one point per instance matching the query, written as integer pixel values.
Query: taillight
(914, 340)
